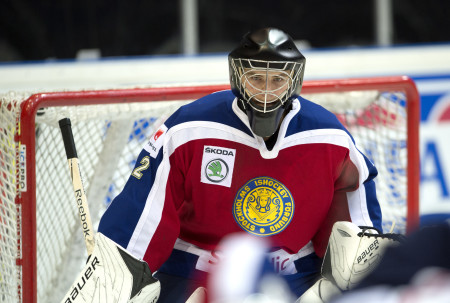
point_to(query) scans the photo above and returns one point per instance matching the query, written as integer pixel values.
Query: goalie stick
(77, 182)
(111, 274)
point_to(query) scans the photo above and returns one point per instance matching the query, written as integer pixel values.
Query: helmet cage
(267, 97)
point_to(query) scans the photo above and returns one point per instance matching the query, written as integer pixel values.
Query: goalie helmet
(266, 74)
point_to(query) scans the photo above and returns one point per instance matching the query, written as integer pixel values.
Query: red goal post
(389, 109)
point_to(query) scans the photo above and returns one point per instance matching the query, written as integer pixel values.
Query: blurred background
(60, 29)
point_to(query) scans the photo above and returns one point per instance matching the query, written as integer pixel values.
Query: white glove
(353, 252)
(113, 275)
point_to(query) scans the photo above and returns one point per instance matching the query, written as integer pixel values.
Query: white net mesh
(108, 140)
(10, 279)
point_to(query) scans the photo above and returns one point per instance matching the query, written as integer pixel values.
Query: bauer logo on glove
(112, 275)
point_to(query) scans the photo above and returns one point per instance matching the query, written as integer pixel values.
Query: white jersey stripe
(152, 213)
(357, 200)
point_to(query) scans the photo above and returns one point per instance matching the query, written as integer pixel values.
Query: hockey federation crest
(263, 207)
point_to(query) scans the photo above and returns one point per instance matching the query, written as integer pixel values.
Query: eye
(278, 79)
(256, 78)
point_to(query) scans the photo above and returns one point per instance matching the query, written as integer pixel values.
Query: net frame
(26, 200)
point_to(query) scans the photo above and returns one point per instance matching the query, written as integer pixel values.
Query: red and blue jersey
(204, 175)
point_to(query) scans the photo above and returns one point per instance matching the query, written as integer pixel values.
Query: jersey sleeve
(354, 197)
(143, 217)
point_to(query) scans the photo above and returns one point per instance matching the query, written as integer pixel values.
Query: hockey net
(41, 245)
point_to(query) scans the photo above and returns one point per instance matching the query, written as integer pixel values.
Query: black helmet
(266, 74)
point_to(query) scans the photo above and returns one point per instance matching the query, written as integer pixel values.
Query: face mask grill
(265, 85)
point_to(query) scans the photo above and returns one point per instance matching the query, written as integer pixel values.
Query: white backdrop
(320, 64)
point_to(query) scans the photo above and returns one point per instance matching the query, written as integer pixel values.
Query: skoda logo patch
(216, 170)
(263, 207)
(217, 165)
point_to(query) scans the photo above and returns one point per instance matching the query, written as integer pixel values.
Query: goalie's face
(265, 89)
(265, 85)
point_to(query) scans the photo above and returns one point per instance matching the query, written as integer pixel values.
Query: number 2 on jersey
(137, 172)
